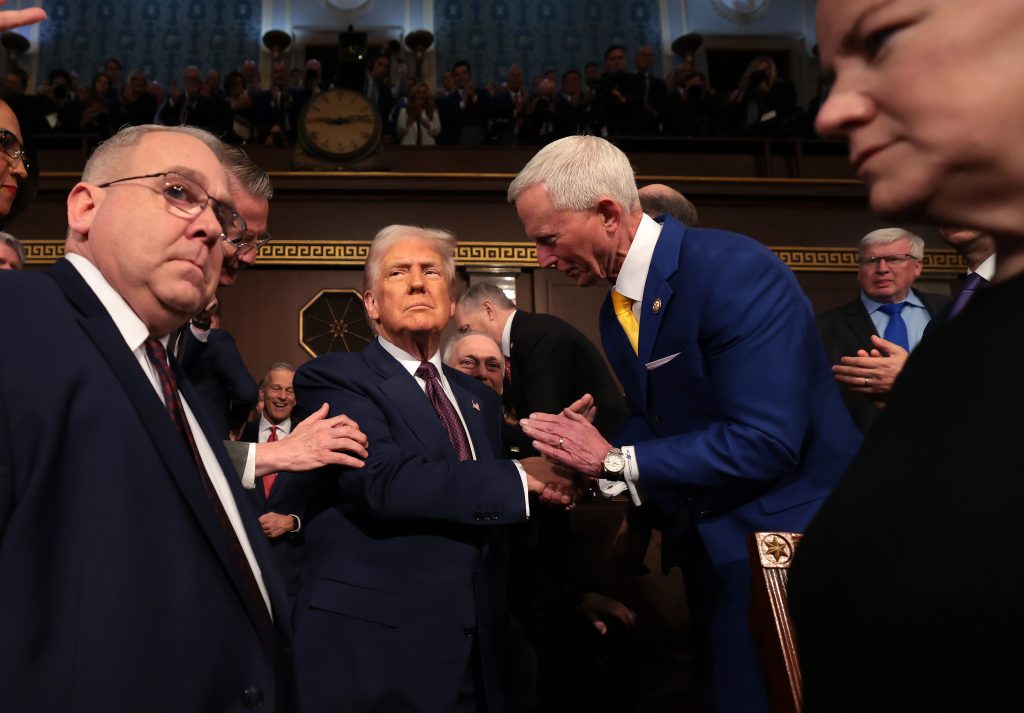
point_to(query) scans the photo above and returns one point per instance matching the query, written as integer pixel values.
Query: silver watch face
(615, 462)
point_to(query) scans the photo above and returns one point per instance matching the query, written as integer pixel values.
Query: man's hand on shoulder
(316, 442)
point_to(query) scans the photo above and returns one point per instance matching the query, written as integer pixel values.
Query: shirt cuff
(249, 472)
(298, 522)
(526, 490)
(631, 474)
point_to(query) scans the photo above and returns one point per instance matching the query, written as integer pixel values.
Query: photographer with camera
(764, 105)
(611, 94)
(694, 109)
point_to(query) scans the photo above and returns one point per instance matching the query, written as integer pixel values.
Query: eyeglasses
(12, 147)
(187, 199)
(891, 260)
(245, 245)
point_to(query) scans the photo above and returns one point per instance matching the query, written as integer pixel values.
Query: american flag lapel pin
(476, 406)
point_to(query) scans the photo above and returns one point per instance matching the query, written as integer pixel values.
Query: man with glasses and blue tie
(132, 579)
(869, 338)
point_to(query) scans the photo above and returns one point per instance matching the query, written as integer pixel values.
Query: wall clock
(743, 11)
(340, 125)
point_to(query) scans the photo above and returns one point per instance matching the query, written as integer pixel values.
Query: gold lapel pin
(656, 305)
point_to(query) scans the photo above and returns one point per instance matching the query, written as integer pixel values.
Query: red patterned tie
(169, 385)
(269, 478)
(445, 410)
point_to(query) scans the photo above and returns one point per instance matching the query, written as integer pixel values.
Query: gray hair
(388, 237)
(886, 236)
(15, 245)
(479, 292)
(578, 170)
(249, 176)
(276, 366)
(658, 199)
(450, 346)
(105, 159)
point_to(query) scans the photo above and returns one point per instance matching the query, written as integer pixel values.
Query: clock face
(340, 124)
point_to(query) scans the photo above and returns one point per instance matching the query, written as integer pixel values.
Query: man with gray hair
(888, 316)
(12, 252)
(130, 570)
(736, 424)
(403, 600)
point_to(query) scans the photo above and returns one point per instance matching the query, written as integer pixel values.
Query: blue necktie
(896, 330)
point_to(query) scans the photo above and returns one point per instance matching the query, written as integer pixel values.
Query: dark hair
(115, 60)
(54, 73)
(567, 72)
(612, 48)
(462, 63)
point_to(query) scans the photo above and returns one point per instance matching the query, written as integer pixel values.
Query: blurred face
(410, 297)
(514, 78)
(138, 84)
(615, 61)
(448, 81)
(255, 211)
(954, 156)
(574, 241)
(478, 356)
(279, 75)
(163, 265)
(644, 59)
(190, 81)
(381, 68)
(420, 96)
(113, 70)
(9, 258)
(886, 282)
(213, 79)
(278, 395)
(102, 84)
(461, 76)
(249, 71)
(11, 169)
(571, 84)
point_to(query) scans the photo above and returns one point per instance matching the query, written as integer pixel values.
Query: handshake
(571, 449)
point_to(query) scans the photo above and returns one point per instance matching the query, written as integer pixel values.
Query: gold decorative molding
(352, 253)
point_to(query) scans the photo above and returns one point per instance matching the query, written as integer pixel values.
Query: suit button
(252, 698)
(469, 632)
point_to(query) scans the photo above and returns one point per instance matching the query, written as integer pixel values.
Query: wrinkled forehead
(478, 347)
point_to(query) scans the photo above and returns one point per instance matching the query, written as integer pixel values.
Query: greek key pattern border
(352, 253)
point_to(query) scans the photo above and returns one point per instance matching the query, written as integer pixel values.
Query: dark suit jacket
(288, 496)
(406, 562)
(118, 589)
(736, 420)
(226, 388)
(848, 328)
(552, 365)
(904, 590)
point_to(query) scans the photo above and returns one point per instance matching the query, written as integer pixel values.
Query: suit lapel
(153, 415)
(859, 322)
(620, 354)
(400, 387)
(658, 293)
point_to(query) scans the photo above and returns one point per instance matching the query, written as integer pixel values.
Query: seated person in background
(657, 199)
(279, 497)
(12, 252)
(139, 105)
(648, 96)
(187, 105)
(418, 123)
(888, 305)
(694, 108)
(102, 113)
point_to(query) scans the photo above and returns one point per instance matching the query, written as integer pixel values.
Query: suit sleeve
(400, 483)
(763, 364)
(542, 374)
(232, 373)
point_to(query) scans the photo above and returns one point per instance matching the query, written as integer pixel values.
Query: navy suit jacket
(118, 590)
(219, 375)
(406, 564)
(736, 418)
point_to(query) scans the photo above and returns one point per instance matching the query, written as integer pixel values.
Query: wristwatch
(614, 464)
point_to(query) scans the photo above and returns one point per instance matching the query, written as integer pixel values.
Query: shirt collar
(872, 305)
(987, 269)
(506, 335)
(284, 428)
(407, 360)
(132, 329)
(633, 273)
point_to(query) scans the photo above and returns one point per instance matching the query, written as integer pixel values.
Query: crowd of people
(604, 100)
(136, 542)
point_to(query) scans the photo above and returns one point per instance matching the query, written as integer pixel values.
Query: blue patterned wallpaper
(539, 34)
(160, 38)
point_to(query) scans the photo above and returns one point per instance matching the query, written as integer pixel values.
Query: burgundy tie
(269, 478)
(158, 357)
(445, 411)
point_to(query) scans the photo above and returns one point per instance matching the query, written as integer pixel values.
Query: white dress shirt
(135, 334)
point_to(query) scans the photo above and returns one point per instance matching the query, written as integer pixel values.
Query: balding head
(658, 199)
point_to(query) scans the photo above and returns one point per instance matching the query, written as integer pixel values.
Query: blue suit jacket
(118, 590)
(401, 578)
(220, 377)
(736, 419)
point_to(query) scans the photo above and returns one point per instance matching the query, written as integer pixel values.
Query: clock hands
(340, 120)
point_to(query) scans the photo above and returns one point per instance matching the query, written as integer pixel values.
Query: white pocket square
(652, 365)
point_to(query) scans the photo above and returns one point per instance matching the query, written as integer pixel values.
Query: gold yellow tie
(624, 313)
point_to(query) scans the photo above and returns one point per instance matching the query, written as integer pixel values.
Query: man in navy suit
(133, 579)
(279, 498)
(402, 605)
(736, 423)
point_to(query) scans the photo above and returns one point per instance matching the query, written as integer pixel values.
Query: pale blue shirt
(915, 316)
